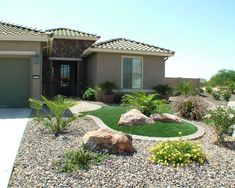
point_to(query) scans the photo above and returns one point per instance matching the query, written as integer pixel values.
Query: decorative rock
(165, 118)
(103, 139)
(134, 117)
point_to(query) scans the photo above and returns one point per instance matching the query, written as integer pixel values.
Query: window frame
(142, 78)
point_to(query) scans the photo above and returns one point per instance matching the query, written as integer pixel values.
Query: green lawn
(110, 116)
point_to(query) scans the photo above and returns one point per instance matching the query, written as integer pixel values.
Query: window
(64, 75)
(132, 73)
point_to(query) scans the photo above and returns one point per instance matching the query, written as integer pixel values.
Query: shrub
(180, 152)
(53, 119)
(209, 89)
(89, 94)
(185, 88)
(163, 89)
(108, 87)
(146, 103)
(226, 95)
(193, 107)
(201, 90)
(75, 160)
(216, 95)
(221, 119)
(177, 93)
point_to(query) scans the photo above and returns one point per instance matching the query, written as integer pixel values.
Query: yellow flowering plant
(180, 152)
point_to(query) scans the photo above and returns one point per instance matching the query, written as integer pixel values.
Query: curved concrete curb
(200, 132)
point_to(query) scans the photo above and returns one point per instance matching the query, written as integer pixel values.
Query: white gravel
(33, 166)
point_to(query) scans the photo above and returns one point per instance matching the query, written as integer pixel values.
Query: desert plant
(193, 107)
(146, 103)
(108, 87)
(201, 90)
(209, 89)
(226, 95)
(185, 88)
(221, 119)
(179, 152)
(53, 119)
(89, 94)
(163, 89)
(75, 160)
(216, 95)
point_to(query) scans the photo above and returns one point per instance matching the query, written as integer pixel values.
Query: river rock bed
(39, 149)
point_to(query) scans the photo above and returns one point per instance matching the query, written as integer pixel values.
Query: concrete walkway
(86, 106)
(12, 125)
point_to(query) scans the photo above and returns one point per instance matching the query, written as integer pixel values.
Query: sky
(201, 32)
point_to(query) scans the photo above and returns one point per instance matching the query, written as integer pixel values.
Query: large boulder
(106, 140)
(165, 118)
(134, 117)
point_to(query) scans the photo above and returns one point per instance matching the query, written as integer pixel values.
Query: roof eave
(91, 50)
(75, 38)
(41, 38)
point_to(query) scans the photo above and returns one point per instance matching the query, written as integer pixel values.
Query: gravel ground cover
(34, 164)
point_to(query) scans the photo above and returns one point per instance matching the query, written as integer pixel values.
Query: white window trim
(142, 80)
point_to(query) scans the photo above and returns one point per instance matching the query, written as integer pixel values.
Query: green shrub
(226, 95)
(201, 90)
(176, 93)
(180, 152)
(216, 95)
(53, 119)
(221, 119)
(193, 107)
(163, 89)
(89, 94)
(75, 160)
(108, 87)
(209, 89)
(146, 103)
(185, 88)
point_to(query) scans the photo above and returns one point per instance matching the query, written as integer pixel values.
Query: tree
(223, 78)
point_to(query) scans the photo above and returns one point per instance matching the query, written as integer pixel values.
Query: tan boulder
(165, 118)
(134, 117)
(106, 140)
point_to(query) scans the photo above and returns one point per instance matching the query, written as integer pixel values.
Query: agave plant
(54, 119)
(147, 104)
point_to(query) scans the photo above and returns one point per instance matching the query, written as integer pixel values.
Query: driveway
(12, 125)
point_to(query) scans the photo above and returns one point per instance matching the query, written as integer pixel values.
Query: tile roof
(70, 33)
(13, 29)
(130, 45)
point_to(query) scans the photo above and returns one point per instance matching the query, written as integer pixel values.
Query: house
(65, 61)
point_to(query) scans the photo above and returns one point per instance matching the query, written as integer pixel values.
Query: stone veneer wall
(67, 48)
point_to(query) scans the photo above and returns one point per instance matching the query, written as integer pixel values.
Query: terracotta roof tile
(13, 29)
(65, 32)
(130, 45)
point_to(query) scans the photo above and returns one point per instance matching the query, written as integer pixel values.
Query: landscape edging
(200, 132)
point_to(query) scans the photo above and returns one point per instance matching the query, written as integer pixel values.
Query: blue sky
(201, 32)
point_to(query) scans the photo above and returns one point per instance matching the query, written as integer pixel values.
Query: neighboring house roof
(122, 45)
(10, 31)
(65, 33)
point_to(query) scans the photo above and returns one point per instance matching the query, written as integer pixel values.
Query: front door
(65, 82)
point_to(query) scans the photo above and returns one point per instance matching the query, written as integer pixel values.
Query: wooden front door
(65, 78)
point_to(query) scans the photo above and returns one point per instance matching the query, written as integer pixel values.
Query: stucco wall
(35, 68)
(173, 82)
(107, 66)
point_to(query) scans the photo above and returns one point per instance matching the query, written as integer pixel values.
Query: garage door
(14, 82)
